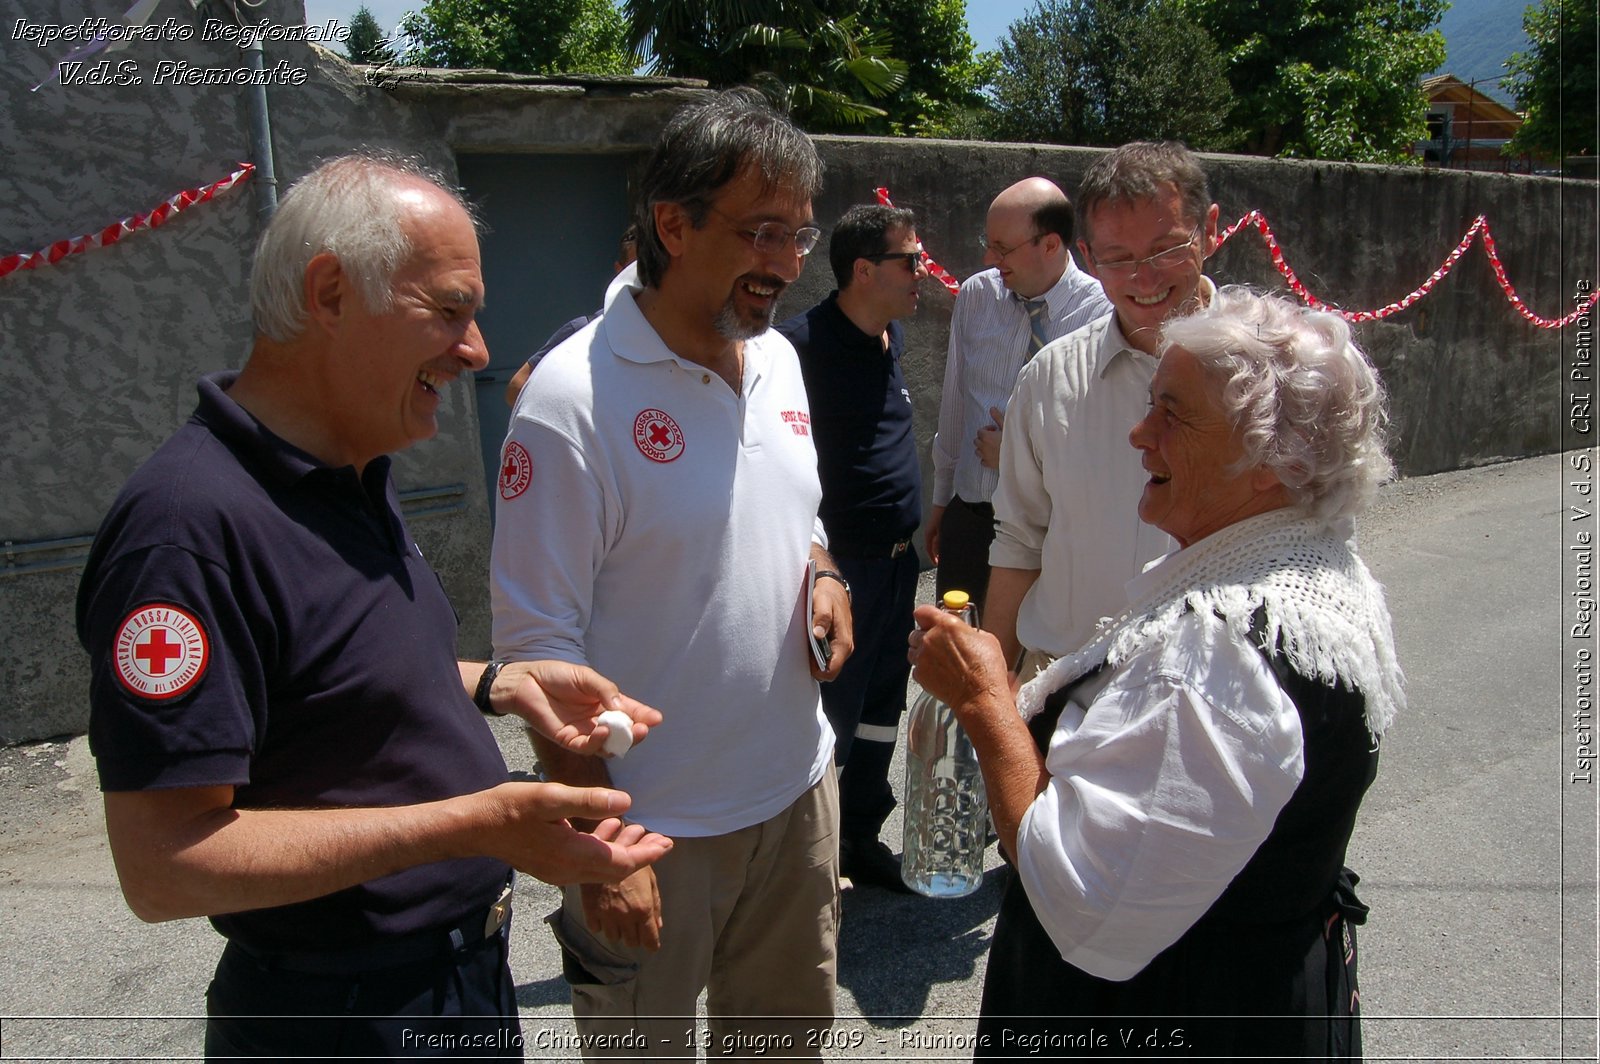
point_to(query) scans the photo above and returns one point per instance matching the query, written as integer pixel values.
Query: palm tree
(814, 66)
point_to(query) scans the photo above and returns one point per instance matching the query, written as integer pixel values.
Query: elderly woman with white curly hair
(1177, 796)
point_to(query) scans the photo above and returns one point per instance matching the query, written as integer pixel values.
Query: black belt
(872, 550)
(984, 508)
(393, 951)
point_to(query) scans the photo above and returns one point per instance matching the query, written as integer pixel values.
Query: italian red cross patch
(160, 651)
(516, 470)
(657, 436)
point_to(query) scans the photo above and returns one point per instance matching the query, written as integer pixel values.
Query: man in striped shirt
(1031, 293)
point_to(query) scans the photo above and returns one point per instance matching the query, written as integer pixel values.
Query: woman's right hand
(958, 664)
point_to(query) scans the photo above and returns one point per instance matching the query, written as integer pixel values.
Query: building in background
(1467, 128)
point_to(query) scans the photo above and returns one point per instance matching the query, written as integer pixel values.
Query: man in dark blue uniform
(850, 346)
(286, 741)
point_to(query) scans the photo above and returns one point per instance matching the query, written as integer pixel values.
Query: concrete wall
(100, 353)
(1470, 381)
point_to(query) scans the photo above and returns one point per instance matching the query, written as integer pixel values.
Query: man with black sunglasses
(1031, 294)
(850, 346)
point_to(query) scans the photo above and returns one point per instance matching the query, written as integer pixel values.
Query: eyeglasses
(1161, 260)
(1000, 251)
(912, 259)
(772, 237)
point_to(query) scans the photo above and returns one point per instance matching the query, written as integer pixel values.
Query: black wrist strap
(829, 574)
(480, 697)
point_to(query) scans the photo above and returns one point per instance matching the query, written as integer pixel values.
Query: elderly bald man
(1031, 293)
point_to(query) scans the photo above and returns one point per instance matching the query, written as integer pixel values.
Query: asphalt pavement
(1476, 846)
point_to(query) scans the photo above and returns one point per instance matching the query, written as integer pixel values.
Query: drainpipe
(265, 177)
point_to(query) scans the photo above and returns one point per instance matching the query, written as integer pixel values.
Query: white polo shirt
(656, 526)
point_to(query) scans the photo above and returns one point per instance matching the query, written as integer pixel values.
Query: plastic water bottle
(947, 811)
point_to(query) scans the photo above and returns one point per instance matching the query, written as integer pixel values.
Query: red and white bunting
(1480, 225)
(49, 256)
(61, 249)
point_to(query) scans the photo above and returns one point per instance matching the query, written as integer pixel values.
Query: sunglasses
(912, 259)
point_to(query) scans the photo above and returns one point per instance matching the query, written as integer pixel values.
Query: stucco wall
(101, 352)
(1470, 381)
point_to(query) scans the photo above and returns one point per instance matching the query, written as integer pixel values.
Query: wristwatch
(831, 575)
(480, 697)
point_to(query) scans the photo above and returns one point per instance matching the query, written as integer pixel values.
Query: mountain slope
(1480, 36)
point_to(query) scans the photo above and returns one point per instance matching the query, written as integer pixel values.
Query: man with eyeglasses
(1068, 534)
(1031, 293)
(850, 346)
(657, 511)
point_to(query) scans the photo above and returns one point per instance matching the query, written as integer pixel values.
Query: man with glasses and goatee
(657, 510)
(1068, 534)
(1031, 294)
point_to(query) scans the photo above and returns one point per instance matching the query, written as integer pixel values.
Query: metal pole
(266, 178)
(1472, 94)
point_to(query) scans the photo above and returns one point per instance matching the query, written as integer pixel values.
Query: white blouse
(1161, 790)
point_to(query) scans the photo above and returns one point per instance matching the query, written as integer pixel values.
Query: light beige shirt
(1067, 502)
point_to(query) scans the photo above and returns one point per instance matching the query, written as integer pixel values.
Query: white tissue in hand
(620, 738)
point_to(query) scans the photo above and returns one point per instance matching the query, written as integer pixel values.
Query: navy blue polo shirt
(861, 424)
(561, 334)
(257, 619)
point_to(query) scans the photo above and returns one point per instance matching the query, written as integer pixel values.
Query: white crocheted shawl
(1322, 606)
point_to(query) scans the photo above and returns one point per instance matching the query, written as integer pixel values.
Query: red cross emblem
(160, 651)
(516, 471)
(657, 436)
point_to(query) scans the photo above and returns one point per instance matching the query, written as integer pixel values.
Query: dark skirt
(1226, 989)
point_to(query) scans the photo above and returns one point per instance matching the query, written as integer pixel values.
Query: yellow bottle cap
(956, 600)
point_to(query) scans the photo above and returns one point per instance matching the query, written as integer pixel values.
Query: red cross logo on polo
(658, 436)
(161, 651)
(516, 471)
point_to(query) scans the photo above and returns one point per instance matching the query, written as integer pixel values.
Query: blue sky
(987, 20)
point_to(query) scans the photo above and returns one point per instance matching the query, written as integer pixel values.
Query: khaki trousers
(752, 917)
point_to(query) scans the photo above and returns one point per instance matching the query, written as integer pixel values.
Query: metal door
(552, 223)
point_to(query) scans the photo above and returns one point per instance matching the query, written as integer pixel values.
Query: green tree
(879, 66)
(826, 69)
(945, 73)
(1104, 72)
(681, 38)
(521, 36)
(817, 74)
(367, 42)
(1554, 82)
(1326, 79)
